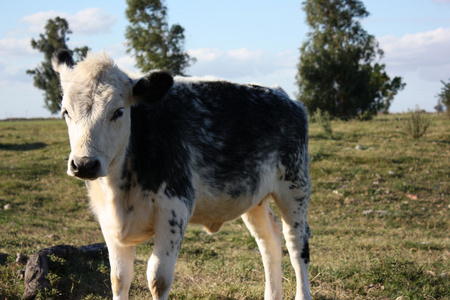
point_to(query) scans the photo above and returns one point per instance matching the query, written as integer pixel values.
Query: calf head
(97, 97)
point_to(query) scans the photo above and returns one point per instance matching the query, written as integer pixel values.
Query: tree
(336, 72)
(444, 95)
(155, 46)
(44, 77)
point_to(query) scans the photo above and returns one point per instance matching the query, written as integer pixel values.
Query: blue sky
(240, 40)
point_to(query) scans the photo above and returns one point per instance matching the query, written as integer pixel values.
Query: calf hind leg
(293, 205)
(265, 228)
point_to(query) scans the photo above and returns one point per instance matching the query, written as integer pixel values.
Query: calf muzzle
(85, 167)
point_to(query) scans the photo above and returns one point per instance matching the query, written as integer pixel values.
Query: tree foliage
(444, 95)
(54, 38)
(337, 72)
(154, 44)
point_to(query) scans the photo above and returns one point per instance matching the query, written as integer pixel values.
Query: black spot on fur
(153, 86)
(64, 56)
(126, 178)
(157, 152)
(305, 251)
(308, 231)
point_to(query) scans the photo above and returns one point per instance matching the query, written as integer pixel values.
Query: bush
(366, 116)
(444, 96)
(417, 123)
(324, 120)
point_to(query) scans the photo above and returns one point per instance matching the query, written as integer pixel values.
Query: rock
(94, 250)
(22, 258)
(37, 266)
(35, 273)
(37, 269)
(359, 147)
(7, 207)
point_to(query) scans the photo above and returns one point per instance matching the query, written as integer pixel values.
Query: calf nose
(85, 167)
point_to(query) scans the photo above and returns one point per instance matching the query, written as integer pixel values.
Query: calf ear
(153, 86)
(61, 60)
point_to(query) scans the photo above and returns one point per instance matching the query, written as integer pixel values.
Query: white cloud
(245, 65)
(425, 52)
(92, 21)
(89, 21)
(206, 54)
(38, 20)
(15, 47)
(245, 54)
(238, 63)
(16, 56)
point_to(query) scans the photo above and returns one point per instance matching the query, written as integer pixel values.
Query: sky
(254, 41)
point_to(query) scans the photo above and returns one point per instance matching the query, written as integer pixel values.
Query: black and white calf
(160, 152)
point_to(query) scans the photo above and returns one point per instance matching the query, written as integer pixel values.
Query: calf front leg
(121, 259)
(170, 226)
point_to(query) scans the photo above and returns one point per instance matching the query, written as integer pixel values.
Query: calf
(160, 152)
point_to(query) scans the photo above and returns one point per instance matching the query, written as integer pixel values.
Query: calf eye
(117, 114)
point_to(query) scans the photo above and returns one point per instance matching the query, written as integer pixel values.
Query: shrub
(324, 120)
(366, 116)
(416, 123)
(444, 96)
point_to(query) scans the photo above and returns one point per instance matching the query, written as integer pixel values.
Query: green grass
(402, 248)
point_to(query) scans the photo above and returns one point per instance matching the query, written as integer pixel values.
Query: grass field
(379, 218)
